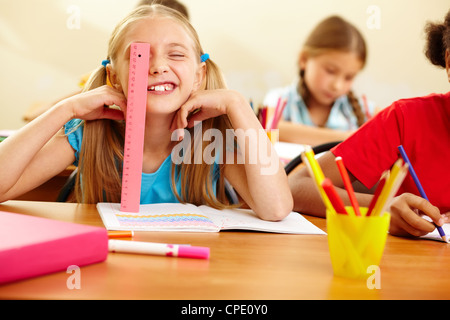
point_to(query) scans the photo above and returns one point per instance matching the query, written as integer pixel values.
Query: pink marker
(163, 249)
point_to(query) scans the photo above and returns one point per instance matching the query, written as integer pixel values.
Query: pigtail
(97, 79)
(101, 154)
(214, 77)
(196, 178)
(302, 89)
(215, 80)
(438, 40)
(357, 108)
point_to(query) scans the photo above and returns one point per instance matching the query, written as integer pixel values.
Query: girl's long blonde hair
(101, 154)
(334, 33)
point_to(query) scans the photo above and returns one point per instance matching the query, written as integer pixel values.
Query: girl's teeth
(165, 87)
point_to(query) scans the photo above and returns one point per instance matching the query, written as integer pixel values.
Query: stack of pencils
(270, 116)
(387, 188)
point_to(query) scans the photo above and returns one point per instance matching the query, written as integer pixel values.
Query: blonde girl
(183, 89)
(321, 106)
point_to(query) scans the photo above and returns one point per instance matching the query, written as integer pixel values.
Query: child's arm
(304, 191)
(261, 181)
(303, 134)
(404, 219)
(39, 150)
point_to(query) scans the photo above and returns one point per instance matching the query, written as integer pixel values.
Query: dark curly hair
(438, 41)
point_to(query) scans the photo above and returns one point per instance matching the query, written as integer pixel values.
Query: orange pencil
(120, 234)
(348, 185)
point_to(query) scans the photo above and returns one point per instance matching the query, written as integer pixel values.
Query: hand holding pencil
(405, 219)
(406, 210)
(411, 222)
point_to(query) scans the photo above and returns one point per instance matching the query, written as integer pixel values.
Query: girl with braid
(422, 126)
(321, 106)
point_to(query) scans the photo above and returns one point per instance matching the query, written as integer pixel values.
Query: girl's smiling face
(330, 75)
(174, 67)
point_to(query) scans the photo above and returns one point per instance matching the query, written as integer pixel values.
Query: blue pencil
(419, 186)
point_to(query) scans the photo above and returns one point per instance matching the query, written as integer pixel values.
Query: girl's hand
(406, 211)
(93, 104)
(202, 105)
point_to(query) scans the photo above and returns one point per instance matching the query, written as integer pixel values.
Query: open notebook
(190, 218)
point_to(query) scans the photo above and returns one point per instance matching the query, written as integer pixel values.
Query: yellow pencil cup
(273, 135)
(356, 242)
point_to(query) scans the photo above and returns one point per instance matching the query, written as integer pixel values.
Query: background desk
(243, 265)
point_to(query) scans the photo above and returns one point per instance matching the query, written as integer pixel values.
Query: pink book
(32, 246)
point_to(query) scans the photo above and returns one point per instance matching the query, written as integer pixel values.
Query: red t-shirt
(422, 126)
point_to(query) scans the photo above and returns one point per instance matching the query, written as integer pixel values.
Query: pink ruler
(135, 127)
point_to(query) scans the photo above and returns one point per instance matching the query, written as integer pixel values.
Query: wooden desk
(243, 265)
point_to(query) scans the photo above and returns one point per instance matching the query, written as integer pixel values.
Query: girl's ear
(112, 78)
(200, 76)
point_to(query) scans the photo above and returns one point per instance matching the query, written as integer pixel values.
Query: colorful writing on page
(172, 220)
(157, 217)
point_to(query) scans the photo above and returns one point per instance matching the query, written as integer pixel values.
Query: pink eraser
(193, 252)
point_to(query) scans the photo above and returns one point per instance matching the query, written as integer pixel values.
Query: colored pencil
(419, 186)
(382, 199)
(269, 117)
(120, 234)
(278, 112)
(316, 173)
(336, 201)
(377, 193)
(264, 117)
(348, 185)
(395, 186)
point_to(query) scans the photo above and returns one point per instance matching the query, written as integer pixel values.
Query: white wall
(43, 53)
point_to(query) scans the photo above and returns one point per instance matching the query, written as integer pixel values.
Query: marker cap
(193, 252)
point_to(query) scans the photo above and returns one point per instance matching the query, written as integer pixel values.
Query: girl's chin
(161, 111)
(327, 100)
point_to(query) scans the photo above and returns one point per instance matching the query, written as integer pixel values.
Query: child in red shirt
(422, 126)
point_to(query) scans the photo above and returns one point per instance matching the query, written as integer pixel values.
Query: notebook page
(157, 217)
(245, 219)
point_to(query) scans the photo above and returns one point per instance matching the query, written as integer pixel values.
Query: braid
(302, 89)
(357, 109)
